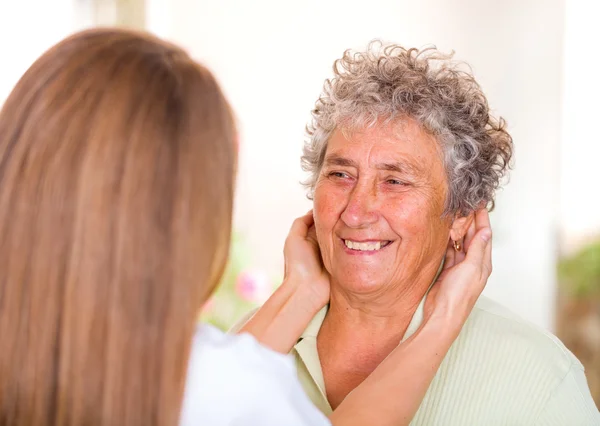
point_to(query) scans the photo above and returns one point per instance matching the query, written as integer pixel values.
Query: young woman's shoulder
(233, 380)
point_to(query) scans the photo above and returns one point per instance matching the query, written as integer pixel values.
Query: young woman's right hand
(305, 290)
(303, 265)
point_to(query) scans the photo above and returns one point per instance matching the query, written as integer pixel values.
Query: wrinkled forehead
(402, 142)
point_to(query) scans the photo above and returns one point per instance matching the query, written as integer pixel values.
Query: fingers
(301, 225)
(480, 250)
(312, 234)
(460, 255)
(470, 234)
(449, 261)
(487, 260)
(482, 219)
(482, 222)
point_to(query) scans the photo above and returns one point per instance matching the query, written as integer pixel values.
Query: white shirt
(233, 381)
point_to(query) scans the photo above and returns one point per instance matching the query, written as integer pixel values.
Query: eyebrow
(336, 160)
(398, 167)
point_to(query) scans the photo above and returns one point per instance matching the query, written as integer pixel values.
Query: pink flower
(253, 286)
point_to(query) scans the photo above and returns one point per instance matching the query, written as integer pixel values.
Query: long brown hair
(117, 163)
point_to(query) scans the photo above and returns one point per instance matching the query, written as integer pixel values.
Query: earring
(457, 245)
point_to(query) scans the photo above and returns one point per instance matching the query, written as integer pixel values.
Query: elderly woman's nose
(361, 209)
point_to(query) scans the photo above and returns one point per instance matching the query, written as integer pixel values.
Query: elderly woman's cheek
(326, 206)
(429, 228)
(429, 201)
(415, 214)
(330, 200)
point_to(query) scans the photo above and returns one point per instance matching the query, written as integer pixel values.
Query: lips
(373, 245)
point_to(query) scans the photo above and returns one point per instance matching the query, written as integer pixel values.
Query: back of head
(117, 163)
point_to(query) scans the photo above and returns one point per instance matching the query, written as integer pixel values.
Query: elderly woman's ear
(460, 225)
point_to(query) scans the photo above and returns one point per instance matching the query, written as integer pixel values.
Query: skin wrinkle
(427, 191)
(373, 297)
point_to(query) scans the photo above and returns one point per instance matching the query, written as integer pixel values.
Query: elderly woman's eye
(341, 175)
(396, 182)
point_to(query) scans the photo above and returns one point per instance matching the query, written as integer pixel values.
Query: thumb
(478, 253)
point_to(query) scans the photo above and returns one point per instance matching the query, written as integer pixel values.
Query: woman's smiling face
(378, 207)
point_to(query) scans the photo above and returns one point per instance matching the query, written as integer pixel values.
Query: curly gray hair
(387, 82)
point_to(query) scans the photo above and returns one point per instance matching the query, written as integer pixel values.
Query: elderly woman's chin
(356, 272)
(361, 281)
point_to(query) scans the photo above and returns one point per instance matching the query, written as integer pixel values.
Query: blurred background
(536, 61)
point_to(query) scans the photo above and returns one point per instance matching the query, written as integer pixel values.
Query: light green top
(501, 370)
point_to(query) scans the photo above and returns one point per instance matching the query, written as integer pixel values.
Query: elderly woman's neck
(360, 331)
(382, 312)
(373, 313)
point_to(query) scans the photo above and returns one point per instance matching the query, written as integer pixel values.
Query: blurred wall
(273, 56)
(27, 28)
(580, 141)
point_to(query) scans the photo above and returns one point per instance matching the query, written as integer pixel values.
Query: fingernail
(486, 235)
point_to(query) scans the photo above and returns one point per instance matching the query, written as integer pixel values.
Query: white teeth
(370, 246)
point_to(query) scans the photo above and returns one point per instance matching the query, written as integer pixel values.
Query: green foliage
(580, 274)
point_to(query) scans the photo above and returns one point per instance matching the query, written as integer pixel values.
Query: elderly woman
(401, 151)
